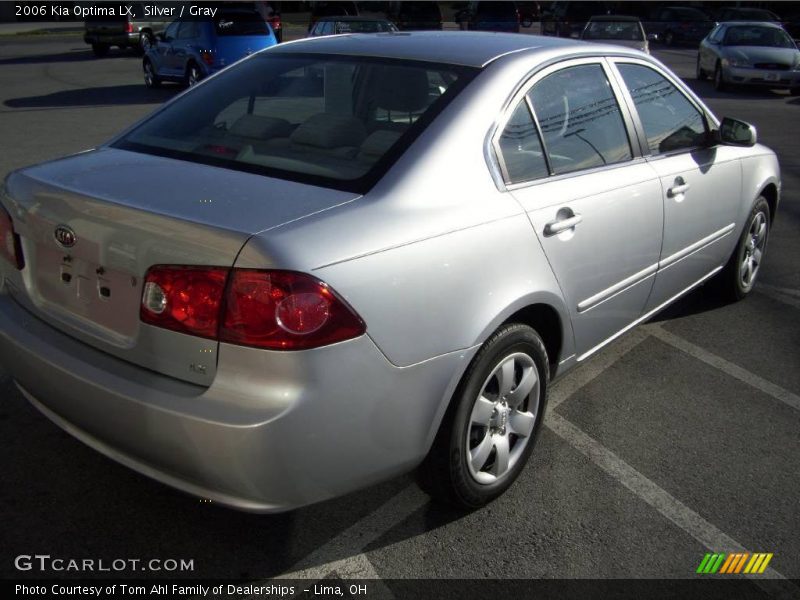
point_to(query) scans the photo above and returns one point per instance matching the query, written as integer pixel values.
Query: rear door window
(580, 119)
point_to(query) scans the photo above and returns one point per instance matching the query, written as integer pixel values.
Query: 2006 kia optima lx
(344, 258)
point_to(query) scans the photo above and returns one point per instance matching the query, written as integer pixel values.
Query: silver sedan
(345, 258)
(750, 53)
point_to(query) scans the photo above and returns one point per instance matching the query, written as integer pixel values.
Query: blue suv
(190, 50)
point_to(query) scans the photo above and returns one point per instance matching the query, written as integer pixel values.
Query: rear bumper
(762, 77)
(112, 39)
(275, 431)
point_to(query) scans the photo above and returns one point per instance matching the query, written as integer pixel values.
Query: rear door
(594, 203)
(700, 184)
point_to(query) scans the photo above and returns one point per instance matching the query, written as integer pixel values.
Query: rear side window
(521, 149)
(336, 121)
(580, 119)
(671, 122)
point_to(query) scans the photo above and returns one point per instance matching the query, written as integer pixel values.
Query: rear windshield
(240, 22)
(614, 30)
(335, 121)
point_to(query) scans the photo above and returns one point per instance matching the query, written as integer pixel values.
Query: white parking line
(780, 290)
(779, 294)
(351, 543)
(670, 507)
(571, 383)
(725, 366)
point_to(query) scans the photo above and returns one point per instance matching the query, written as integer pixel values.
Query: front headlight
(736, 62)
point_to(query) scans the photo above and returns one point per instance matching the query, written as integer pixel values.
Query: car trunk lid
(93, 224)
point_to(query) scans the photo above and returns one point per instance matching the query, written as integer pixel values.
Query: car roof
(467, 48)
(772, 24)
(615, 18)
(350, 18)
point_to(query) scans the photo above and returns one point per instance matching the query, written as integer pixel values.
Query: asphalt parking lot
(681, 438)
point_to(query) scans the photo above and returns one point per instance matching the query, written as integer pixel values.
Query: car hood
(759, 54)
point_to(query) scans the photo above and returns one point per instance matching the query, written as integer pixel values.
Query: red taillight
(185, 299)
(11, 248)
(279, 310)
(285, 310)
(207, 56)
(275, 22)
(129, 27)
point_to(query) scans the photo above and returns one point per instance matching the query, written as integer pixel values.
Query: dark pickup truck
(136, 30)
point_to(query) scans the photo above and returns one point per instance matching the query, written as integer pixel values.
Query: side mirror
(737, 133)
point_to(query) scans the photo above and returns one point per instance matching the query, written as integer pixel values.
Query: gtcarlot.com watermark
(45, 563)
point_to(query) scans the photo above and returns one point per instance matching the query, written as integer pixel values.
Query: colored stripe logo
(735, 563)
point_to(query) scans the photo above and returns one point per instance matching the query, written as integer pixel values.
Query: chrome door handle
(559, 225)
(678, 189)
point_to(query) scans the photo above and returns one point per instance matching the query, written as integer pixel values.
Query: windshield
(336, 121)
(613, 30)
(688, 14)
(755, 35)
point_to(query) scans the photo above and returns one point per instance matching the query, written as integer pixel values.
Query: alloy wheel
(753, 250)
(502, 418)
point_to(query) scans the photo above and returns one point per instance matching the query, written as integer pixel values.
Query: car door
(182, 47)
(700, 180)
(709, 49)
(163, 50)
(594, 203)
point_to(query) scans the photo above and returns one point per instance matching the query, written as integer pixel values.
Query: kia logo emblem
(64, 236)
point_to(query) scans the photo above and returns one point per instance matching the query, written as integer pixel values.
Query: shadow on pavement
(63, 57)
(98, 96)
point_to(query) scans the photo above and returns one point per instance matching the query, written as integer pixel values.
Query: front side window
(671, 122)
(336, 121)
(580, 119)
(521, 148)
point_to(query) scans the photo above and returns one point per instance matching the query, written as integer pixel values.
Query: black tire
(719, 81)
(730, 282)
(151, 79)
(700, 75)
(100, 50)
(445, 473)
(193, 75)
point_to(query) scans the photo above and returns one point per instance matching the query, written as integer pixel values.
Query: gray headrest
(378, 144)
(401, 88)
(255, 126)
(327, 130)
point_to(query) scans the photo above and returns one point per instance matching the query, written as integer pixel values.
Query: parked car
(136, 31)
(416, 16)
(679, 25)
(334, 8)
(757, 54)
(189, 51)
(568, 18)
(336, 25)
(744, 13)
(616, 29)
(490, 16)
(346, 257)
